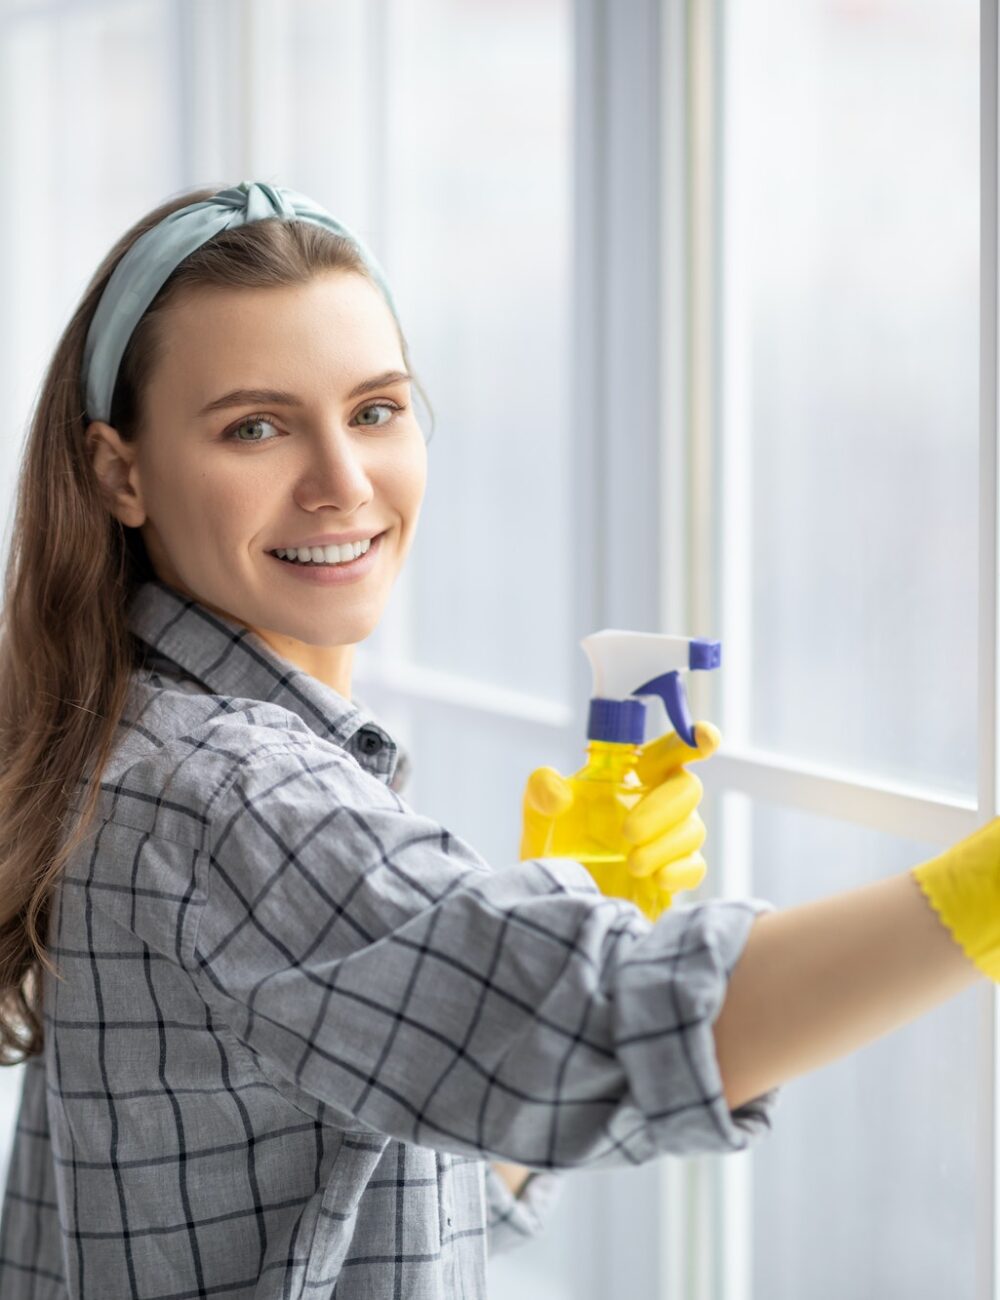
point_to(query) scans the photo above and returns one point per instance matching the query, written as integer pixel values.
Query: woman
(286, 1036)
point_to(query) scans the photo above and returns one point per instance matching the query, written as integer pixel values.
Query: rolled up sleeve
(376, 962)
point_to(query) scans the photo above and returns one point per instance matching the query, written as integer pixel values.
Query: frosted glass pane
(91, 136)
(570, 1260)
(11, 1080)
(478, 192)
(867, 1184)
(469, 770)
(851, 141)
(334, 100)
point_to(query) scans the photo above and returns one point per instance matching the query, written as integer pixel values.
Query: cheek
(407, 477)
(190, 502)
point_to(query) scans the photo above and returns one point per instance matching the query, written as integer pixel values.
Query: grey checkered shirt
(298, 1018)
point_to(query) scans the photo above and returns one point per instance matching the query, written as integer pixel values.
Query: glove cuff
(963, 887)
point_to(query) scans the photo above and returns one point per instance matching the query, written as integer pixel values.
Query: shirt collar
(230, 659)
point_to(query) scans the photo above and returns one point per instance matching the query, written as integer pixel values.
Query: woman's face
(223, 476)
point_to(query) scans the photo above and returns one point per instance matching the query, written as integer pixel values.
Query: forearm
(514, 1176)
(820, 980)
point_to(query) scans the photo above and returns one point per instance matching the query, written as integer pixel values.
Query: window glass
(866, 1185)
(478, 201)
(90, 142)
(850, 193)
(334, 83)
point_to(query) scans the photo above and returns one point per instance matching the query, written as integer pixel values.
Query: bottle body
(605, 790)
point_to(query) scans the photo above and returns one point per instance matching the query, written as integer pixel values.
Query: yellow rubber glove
(663, 832)
(963, 886)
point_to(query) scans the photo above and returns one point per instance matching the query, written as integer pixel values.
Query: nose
(335, 472)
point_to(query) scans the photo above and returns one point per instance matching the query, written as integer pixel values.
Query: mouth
(325, 564)
(335, 571)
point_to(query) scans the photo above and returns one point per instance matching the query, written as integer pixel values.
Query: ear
(113, 462)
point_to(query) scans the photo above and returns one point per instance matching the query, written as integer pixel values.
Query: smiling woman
(307, 1035)
(88, 485)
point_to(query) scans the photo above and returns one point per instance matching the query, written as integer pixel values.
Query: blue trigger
(670, 689)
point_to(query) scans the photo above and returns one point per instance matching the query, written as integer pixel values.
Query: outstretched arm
(817, 981)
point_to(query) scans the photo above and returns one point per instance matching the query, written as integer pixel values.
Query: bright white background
(695, 289)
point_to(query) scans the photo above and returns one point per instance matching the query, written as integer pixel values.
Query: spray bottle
(626, 666)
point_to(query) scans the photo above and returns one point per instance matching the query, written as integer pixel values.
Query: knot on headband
(141, 273)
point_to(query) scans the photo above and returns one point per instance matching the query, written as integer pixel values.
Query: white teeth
(326, 554)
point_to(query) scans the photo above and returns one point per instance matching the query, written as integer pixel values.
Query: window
(835, 224)
(698, 295)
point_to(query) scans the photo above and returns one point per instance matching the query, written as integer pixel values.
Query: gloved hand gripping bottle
(626, 665)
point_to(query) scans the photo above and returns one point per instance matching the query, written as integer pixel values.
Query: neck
(330, 665)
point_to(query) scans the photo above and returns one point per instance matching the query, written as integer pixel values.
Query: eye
(251, 422)
(391, 407)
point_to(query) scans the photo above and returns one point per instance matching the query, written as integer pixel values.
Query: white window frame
(719, 1204)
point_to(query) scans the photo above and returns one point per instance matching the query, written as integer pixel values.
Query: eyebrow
(276, 397)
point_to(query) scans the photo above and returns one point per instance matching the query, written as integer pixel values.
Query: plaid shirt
(298, 1017)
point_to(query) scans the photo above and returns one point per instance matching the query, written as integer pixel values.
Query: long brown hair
(66, 652)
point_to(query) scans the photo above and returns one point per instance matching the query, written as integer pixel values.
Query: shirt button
(368, 741)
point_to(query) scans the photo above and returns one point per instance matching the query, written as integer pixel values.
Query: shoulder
(180, 781)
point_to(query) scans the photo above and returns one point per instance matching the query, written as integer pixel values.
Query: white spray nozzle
(629, 664)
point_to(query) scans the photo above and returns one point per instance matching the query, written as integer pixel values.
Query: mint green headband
(141, 273)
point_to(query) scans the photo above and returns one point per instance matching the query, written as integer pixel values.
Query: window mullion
(988, 1174)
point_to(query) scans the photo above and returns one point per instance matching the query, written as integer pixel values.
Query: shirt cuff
(666, 1038)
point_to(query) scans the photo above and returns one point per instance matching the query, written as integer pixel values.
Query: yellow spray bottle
(626, 666)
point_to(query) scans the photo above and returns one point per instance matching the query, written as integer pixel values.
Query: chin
(345, 630)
